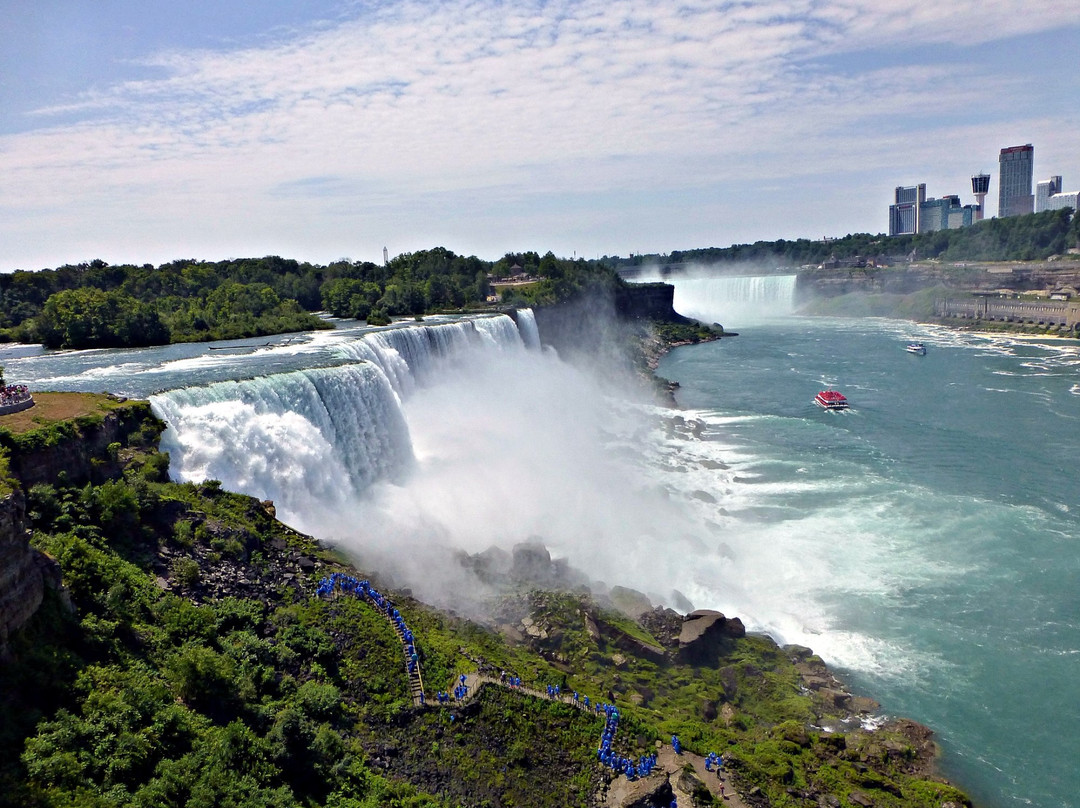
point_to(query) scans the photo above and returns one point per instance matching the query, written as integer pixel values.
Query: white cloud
(478, 98)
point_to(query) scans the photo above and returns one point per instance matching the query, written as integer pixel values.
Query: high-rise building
(1049, 196)
(904, 212)
(945, 214)
(1015, 171)
(1044, 190)
(980, 185)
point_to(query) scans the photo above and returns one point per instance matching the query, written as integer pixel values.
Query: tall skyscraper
(904, 212)
(1015, 170)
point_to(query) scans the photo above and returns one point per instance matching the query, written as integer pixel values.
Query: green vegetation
(91, 318)
(195, 667)
(97, 305)
(1016, 238)
(676, 333)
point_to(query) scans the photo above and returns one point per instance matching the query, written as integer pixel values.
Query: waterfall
(731, 300)
(409, 355)
(321, 434)
(410, 443)
(317, 438)
(530, 334)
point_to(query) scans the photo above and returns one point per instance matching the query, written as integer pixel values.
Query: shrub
(186, 572)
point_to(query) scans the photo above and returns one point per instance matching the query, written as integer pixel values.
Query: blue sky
(148, 131)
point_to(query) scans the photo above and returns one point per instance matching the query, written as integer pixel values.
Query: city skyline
(147, 132)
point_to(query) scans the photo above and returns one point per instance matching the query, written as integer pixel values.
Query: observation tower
(980, 185)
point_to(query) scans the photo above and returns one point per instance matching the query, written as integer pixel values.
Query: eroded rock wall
(21, 580)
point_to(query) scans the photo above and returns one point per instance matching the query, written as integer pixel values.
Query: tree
(91, 318)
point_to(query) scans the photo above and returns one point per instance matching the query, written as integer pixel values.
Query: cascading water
(296, 438)
(409, 355)
(731, 300)
(315, 439)
(530, 334)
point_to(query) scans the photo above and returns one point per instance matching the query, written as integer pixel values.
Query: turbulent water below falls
(924, 542)
(927, 541)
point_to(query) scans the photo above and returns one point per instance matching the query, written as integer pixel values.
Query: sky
(139, 131)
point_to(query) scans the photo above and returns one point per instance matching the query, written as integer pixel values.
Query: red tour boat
(831, 400)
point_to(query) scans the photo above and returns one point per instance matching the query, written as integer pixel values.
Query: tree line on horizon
(1015, 238)
(96, 304)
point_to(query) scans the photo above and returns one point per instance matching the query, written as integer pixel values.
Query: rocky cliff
(78, 447)
(1029, 276)
(84, 448)
(21, 581)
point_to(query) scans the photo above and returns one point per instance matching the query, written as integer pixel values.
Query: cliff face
(648, 300)
(79, 449)
(24, 572)
(966, 276)
(591, 323)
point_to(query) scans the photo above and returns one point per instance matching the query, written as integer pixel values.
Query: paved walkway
(713, 780)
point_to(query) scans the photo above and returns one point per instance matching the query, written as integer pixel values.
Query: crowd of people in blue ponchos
(605, 753)
(713, 761)
(461, 690)
(619, 764)
(383, 604)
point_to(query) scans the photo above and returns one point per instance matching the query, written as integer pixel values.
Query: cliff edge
(74, 436)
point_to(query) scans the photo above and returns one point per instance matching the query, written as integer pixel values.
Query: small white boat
(916, 348)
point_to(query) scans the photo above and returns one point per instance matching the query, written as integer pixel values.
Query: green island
(179, 653)
(95, 305)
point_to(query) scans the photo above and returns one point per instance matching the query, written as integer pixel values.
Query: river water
(928, 538)
(925, 542)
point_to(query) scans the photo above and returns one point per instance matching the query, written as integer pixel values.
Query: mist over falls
(448, 438)
(732, 299)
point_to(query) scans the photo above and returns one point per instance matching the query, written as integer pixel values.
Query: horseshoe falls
(733, 299)
(925, 542)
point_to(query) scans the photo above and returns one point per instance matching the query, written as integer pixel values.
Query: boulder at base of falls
(531, 563)
(705, 633)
